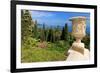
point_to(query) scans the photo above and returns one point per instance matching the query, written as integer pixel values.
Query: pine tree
(50, 35)
(66, 32)
(57, 33)
(46, 34)
(26, 25)
(62, 35)
(42, 36)
(35, 30)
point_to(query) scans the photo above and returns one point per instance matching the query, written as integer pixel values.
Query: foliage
(39, 55)
(65, 32)
(26, 25)
(42, 36)
(44, 44)
(60, 46)
(86, 41)
(35, 30)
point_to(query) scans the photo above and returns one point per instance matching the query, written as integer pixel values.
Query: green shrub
(30, 52)
(29, 43)
(41, 55)
(60, 47)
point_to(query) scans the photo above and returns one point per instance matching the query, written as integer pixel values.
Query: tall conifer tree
(26, 25)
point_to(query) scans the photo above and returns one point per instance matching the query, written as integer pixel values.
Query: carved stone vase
(78, 50)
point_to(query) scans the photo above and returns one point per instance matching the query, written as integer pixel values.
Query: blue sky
(51, 18)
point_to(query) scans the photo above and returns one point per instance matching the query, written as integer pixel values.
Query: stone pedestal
(78, 50)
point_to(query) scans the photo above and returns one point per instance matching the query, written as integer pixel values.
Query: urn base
(78, 52)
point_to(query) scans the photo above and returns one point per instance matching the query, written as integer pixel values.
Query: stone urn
(78, 50)
(78, 27)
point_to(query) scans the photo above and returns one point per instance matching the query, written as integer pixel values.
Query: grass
(52, 52)
(40, 55)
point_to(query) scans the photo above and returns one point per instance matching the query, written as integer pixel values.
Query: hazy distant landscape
(46, 35)
(61, 27)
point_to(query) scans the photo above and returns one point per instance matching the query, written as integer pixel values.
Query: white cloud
(41, 14)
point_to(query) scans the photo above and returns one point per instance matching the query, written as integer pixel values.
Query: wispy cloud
(41, 14)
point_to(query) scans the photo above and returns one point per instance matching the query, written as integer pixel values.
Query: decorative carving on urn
(78, 50)
(78, 26)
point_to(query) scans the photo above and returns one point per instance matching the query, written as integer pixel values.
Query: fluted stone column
(78, 50)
